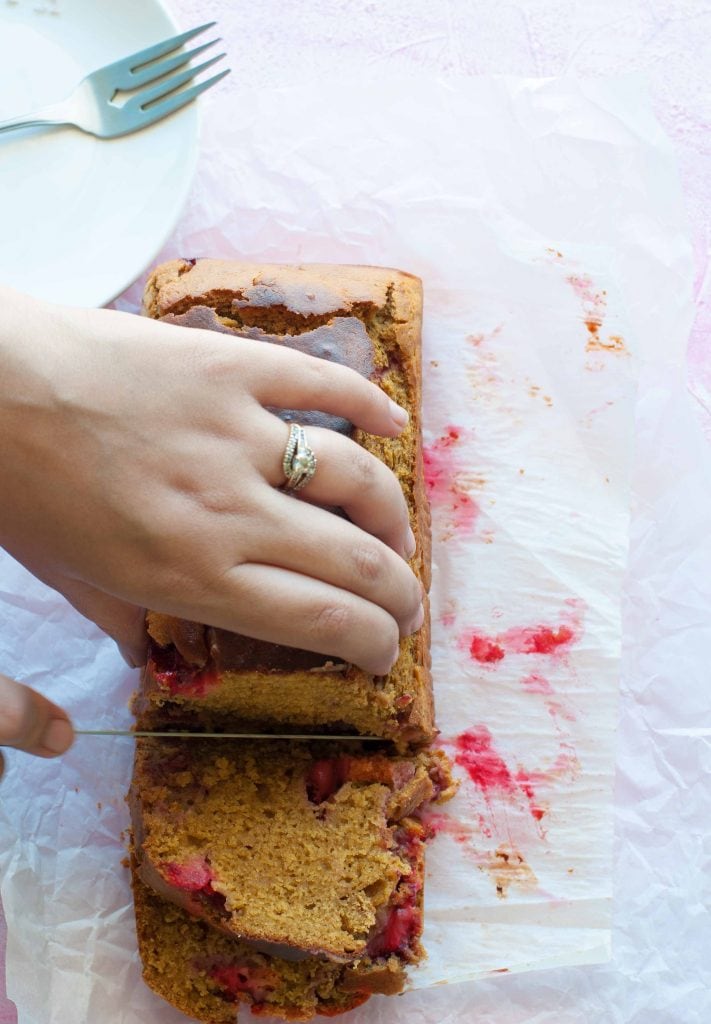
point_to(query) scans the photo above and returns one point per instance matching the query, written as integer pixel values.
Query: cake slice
(368, 318)
(208, 975)
(301, 850)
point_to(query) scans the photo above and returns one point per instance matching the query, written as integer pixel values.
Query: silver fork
(91, 108)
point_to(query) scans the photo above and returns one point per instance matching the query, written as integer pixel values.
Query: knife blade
(222, 735)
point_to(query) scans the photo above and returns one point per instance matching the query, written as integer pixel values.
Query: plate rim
(180, 196)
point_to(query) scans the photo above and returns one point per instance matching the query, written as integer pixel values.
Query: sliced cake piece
(368, 318)
(208, 975)
(300, 849)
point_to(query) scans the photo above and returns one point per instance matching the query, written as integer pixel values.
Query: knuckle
(369, 562)
(365, 467)
(319, 373)
(331, 622)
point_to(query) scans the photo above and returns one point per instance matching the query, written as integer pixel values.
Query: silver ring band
(299, 462)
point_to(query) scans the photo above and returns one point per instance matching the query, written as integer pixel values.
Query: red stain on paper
(537, 684)
(490, 773)
(449, 613)
(485, 650)
(496, 780)
(487, 769)
(538, 639)
(549, 640)
(443, 479)
(442, 824)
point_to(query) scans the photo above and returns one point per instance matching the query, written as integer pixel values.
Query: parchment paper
(543, 219)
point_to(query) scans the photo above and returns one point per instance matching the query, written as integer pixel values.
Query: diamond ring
(299, 463)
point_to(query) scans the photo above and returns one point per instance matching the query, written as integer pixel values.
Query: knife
(222, 735)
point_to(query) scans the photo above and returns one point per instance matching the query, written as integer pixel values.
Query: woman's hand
(140, 469)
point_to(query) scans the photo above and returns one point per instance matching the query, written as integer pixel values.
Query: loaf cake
(287, 875)
(368, 318)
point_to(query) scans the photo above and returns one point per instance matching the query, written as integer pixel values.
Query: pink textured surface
(278, 41)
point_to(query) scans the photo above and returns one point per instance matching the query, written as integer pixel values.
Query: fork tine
(149, 74)
(168, 85)
(120, 73)
(173, 103)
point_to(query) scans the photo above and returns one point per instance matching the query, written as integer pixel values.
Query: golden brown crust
(308, 290)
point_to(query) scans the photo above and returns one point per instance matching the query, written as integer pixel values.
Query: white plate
(81, 218)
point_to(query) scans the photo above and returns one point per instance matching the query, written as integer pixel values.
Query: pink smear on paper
(445, 488)
(490, 773)
(442, 824)
(540, 639)
(537, 684)
(487, 769)
(547, 640)
(496, 780)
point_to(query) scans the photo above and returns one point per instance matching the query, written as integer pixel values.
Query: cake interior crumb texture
(310, 845)
(209, 976)
(244, 833)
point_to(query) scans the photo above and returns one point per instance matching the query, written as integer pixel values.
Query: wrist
(25, 353)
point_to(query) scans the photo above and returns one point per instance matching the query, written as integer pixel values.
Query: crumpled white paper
(543, 218)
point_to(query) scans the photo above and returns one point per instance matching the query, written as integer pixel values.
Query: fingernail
(410, 543)
(391, 662)
(126, 655)
(395, 656)
(58, 736)
(418, 620)
(400, 415)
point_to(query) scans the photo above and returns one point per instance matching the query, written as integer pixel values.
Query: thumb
(30, 722)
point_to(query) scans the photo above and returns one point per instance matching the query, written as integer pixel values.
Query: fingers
(314, 542)
(287, 379)
(348, 477)
(123, 621)
(283, 607)
(30, 722)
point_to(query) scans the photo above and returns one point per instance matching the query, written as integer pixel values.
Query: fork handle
(46, 115)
